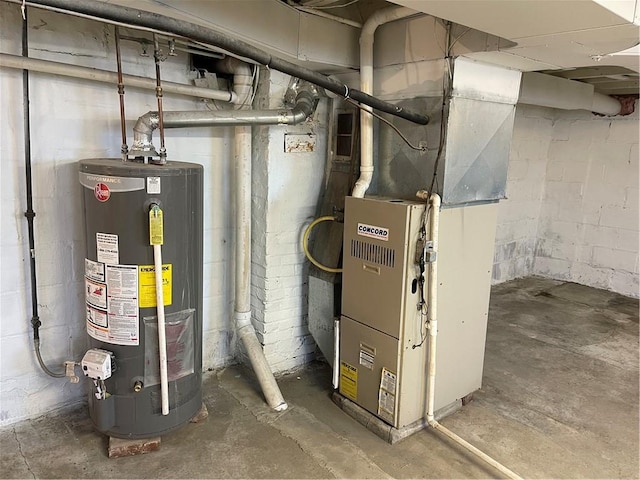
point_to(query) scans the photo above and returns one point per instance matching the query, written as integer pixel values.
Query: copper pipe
(156, 55)
(123, 127)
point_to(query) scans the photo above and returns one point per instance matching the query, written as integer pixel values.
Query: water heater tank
(120, 292)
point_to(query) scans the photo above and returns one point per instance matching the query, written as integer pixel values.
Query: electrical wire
(422, 148)
(30, 213)
(447, 79)
(459, 37)
(43, 366)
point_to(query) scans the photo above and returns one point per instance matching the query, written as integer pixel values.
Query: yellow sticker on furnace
(147, 283)
(348, 381)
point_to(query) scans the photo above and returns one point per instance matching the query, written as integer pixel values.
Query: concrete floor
(560, 400)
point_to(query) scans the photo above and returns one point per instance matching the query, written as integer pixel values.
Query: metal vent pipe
(305, 105)
(140, 18)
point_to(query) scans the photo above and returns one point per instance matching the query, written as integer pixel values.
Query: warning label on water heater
(112, 305)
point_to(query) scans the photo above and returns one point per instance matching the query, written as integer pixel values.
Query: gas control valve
(98, 364)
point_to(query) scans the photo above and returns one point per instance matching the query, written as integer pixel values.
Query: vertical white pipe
(366, 85)
(336, 353)
(162, 337)
(432, 302)
(245, 329)
(432, 317)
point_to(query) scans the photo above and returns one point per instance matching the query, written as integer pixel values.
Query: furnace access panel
(382, 331)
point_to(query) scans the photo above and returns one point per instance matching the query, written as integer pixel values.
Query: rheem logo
(102, 192)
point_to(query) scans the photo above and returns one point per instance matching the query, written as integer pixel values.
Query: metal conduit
(144, 19)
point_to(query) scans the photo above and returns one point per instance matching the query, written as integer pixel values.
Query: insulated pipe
(432, 319)
(86, 73)
(171, 26)
(146, 124)
(245, 329)
(366, 85)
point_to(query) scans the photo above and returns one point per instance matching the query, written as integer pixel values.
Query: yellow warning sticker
(348, 381)
(156, 232)
(147, 285)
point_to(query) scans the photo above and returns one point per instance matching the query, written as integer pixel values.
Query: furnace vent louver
(373, 253)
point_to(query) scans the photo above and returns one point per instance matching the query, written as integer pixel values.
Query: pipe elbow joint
(306, 104)
(143, 134)
(362, 185)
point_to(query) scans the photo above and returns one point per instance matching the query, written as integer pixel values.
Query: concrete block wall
(73, 119)
(588, 231)
(579, 172)
(286, 192)
(516, 233)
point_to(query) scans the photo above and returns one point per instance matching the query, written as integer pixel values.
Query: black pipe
(141, 18)
(30, 213)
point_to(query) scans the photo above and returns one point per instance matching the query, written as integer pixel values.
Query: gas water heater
(123, 201)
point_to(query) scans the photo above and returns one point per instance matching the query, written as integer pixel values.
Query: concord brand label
(372, 231)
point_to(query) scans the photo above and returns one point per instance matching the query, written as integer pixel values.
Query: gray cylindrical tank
(120, 291)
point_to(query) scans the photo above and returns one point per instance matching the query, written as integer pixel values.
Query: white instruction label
(119, 324)
(94, 270)
(107, 248)
(153, 185)
(366, 359)
(371, 231)
(386, 405)
(388, 381)
(122, 281)
(387, 396)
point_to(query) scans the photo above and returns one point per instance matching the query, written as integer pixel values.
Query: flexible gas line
(305, 241)
(156, 238)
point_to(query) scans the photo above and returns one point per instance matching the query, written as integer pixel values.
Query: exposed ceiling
(591, 41)
(587, 40)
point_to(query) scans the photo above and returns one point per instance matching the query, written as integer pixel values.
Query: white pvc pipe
(162, 337)
(432, 318)
(432, 303)
(86, 73)
(245, 329)
(366, 85)
(336, 353)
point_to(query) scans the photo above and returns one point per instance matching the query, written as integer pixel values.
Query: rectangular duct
(473, 166)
